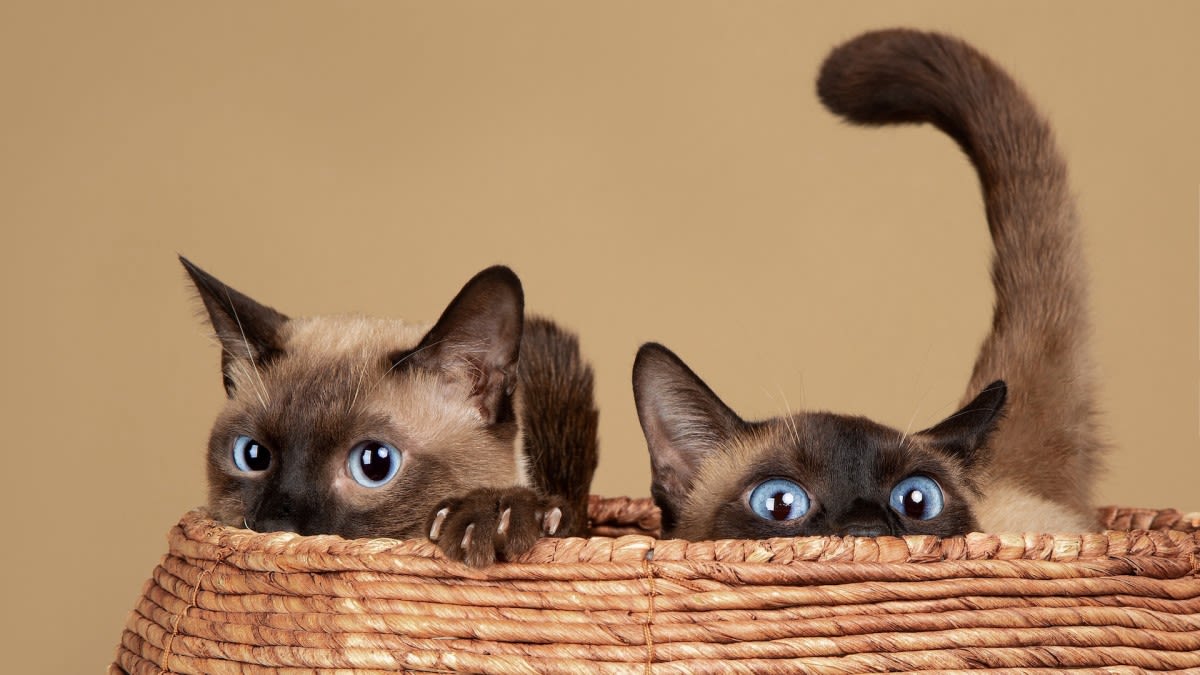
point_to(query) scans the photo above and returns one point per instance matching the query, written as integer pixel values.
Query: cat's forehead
(325, 357)
(336, 376)
(811, 444)
(350, 336)
(844, 435)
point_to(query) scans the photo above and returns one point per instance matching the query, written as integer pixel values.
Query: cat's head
(359, 426)
(717, 476)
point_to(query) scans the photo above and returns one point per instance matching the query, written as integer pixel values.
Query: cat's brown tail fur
(560, 417)
(1049, 442)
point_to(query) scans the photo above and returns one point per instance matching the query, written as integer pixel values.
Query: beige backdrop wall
(653, 171)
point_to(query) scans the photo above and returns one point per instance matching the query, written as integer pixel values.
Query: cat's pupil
(914, 504)
(376, 461)
(257, 457)
(373, 463)
(780, 505)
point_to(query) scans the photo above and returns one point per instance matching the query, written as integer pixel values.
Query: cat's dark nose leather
(862, 518)
(276, 513)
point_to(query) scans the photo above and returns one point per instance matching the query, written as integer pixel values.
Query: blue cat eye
(779, 499)
(250, 456)
(917, 497)
(373, 464)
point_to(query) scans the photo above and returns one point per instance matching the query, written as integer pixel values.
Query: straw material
(225, 600)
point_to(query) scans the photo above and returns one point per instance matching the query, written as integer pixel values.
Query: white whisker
(924, 395)
(358, 385)
(244, 374)
(912, 418)
(791, 423)
(261, 389)
(788, 420)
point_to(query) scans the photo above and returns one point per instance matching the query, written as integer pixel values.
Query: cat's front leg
(496, 524)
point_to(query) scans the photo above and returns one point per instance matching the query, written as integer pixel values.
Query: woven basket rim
(1146, 533)
(230, 600)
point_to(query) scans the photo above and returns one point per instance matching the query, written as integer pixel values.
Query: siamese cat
(1021, 452)
(478, 430)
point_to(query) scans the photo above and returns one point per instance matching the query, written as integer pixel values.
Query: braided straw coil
(225, 600)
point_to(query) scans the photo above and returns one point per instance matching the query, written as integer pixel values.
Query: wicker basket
(231, 601)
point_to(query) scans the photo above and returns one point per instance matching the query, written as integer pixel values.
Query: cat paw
(491, 524)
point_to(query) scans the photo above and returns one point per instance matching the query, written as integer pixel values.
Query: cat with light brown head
(478, 430)
(1020, 454)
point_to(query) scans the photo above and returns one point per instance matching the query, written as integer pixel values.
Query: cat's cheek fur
(714, 506)
(429, 414)
(957, 517)
(227, 501)
(228, 492)
(396, 510)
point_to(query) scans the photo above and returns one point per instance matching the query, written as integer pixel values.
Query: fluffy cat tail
(560, 418)
(1049, 443)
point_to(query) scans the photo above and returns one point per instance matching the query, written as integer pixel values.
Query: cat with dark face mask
(1021, 453)
(478, 431)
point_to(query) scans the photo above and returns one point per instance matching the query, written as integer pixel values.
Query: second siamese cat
(1019, 455)
(478, 430)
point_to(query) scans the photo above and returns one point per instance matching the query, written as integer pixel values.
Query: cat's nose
(863, 518)
(277, 512)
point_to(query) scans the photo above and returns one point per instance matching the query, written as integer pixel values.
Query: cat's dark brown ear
(248, 331)
(685, 423)
(965, 433)
(477, 340)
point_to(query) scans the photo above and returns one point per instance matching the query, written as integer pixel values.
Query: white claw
(436, 529)
(553, 518)
(505, 517)
(466, 540)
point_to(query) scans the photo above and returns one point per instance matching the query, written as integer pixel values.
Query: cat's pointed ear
(685, 424)
(477, 340)
(965, 433)
(248, 331)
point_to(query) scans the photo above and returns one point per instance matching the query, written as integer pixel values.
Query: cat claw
(490, 524)
(436, 529)
(552, 520)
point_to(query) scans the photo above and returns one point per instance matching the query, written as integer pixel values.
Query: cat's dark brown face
(716, 476)
(357, 426)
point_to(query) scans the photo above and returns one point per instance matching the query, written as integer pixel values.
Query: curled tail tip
(892, 76)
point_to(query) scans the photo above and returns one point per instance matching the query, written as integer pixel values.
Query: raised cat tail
(1049, 444)
(559, 418)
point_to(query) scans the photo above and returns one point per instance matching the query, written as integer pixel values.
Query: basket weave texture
(225, 600)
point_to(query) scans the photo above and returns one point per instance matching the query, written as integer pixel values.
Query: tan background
(652, 171)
